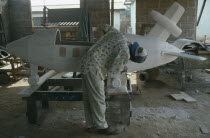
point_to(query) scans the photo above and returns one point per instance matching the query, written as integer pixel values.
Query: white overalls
(108, 56)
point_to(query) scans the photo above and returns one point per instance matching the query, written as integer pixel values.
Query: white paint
(203, 28)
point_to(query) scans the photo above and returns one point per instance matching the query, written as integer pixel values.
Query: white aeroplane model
(44, 48)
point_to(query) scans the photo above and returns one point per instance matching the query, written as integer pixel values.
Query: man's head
(138, 53)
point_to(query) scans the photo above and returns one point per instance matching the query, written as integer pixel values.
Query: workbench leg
(45, 101)
(32, 113)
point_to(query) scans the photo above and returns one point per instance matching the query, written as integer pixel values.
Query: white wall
(204, 25)
(37, 15)
(37, 5)
(133, 17)
(117, 20)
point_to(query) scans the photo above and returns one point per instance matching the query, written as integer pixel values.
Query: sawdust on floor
(155, 115)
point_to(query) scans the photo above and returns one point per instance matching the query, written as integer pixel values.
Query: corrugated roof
(62, 24)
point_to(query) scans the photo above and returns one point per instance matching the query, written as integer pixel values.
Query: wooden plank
(7, 67)
(204, 130)
(59, 75)
(82, 43)
(203, 52)
(183, 96)
(28, 91)
(177, 97)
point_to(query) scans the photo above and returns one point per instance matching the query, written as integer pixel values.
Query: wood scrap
(204, 130)
(207, 70)
(203, 52)
(183, 96)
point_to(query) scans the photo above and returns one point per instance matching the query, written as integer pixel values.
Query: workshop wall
(187, 23)
(20, 18)
(125, 20)
(100, 14)
(5, 16)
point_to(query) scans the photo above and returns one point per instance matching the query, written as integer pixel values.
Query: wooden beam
(112, 12)
(203, 6)
(203, 52)
(28, 91)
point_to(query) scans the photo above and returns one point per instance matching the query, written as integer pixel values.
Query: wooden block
(183, 96)
(62, 52)
(76, 52)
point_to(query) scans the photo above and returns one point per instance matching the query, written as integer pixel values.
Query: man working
(107, 56)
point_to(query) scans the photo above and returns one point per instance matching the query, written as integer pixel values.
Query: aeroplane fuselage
(43, 49)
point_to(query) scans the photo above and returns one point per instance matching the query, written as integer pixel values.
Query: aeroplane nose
(18, 48)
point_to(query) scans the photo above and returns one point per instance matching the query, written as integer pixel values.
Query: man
(107, 56)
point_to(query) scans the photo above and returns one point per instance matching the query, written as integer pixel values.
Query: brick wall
(20, 18)
(100, 14)
(187, 23)
(5, 16)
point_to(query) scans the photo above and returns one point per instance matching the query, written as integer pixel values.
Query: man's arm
(119, 62)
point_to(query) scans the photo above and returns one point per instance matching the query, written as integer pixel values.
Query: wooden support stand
(45, 96)
(14, 66)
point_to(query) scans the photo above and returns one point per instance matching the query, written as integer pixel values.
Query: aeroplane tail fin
(166, 24)
(183, 55)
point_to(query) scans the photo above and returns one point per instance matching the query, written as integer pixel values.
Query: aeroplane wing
(166, 24)
(183, 55)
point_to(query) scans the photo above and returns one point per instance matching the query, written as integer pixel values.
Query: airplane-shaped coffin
(44, 48)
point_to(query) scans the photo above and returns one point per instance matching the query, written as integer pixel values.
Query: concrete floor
(155, 115)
